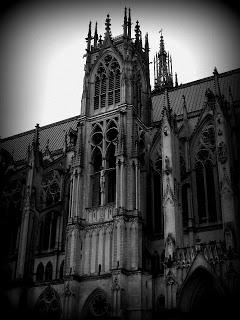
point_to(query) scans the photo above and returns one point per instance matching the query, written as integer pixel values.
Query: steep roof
(17, 145)
(195, 93)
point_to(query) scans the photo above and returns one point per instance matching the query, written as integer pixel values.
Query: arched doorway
(96, 306)
(202, 295)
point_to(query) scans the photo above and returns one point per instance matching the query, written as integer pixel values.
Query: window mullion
(206, 193)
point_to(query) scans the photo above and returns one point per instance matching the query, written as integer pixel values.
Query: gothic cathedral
(129, 210)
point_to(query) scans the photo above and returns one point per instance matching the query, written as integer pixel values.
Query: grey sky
(42, 48)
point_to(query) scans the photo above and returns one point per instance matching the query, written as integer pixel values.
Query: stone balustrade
(214, 252)
(99, 214)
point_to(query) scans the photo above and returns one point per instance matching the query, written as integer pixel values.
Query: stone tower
(108, 194)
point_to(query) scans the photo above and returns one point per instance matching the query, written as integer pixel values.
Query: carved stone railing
(214, 252)
(99, 214)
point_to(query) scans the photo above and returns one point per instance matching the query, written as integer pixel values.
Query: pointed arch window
(48, 271)
(40, 272)
(111, 173)
(48, 231)
(97, 166)
(138, 93)
(107, 83)
(206, 178)
(61, 270)
(157, 196)
(103, 177)
(185, 203)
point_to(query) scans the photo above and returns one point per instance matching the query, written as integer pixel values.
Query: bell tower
(107, 206)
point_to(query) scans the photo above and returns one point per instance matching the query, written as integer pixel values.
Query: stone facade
(135, 214)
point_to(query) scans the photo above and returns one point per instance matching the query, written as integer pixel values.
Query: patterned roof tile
(195, 93)
(17, 145)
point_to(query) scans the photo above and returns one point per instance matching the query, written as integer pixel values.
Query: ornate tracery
(206, 176)
(103, 147)
(51, 191)
(107, 83)
(48, 305)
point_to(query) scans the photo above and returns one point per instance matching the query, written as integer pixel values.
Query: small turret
(107, 26)
(162, 68)
(137, 32)
(107, 36)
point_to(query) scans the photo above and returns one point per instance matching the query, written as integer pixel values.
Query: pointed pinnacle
(107, 23)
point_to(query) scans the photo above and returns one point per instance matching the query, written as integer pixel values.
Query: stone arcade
(129, 210)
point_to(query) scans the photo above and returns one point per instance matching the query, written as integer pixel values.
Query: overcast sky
(43, 43)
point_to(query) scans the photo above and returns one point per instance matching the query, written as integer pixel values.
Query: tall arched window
(40, 272)
(111, 173)
(185, 204)
(111, 136)
(137, 92)
(97, 166)
(206, 177)
(48, 231)
(103, 177)
(61, 270)
(107, 83)
(157, 196)
(48, 271)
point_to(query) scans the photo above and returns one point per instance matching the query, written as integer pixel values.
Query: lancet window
(103, 148)
(184, 187)
(40, 272)
(138, 93)
(206, 177)
(61, 270)
(48, 271)
(107, 83)
(48, 231)
(157, 196)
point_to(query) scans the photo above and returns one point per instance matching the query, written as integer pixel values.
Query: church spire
(162, 50)
(95, 36)
(163, 66)
(129, 24)
(125, 24)
(89, 37)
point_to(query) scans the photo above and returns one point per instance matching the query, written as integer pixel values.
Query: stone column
(224, 171)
